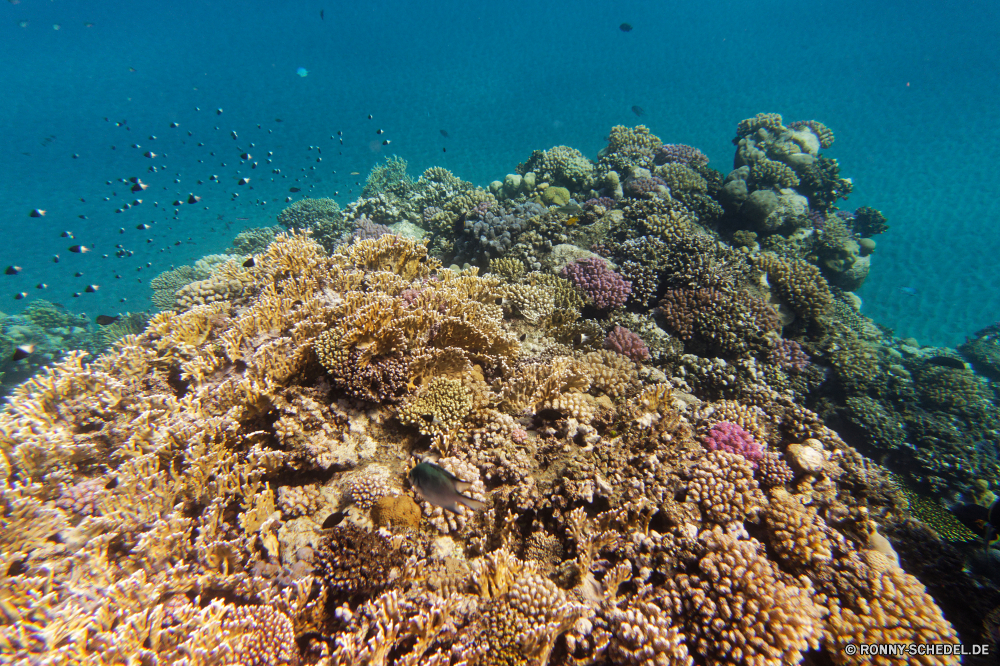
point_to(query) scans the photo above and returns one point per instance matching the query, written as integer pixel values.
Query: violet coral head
(602, 285)
(627, 343)
(680, 154)
(788, 355)
(728, 436)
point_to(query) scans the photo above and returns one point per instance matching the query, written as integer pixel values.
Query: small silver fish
(441, 488)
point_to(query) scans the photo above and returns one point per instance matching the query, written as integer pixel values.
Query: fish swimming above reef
(638, 110)
(441, 488)
(984, 521)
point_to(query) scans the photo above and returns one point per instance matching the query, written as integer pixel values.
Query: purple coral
(645, 188)
(602, 285)
(788, 355)
(680, 154)
(365, 229)
(728, 436)
(627, 343)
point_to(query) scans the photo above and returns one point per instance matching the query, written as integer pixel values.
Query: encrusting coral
(229, 485)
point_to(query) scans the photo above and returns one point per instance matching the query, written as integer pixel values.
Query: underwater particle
(444, 133)
(302, 71)
(20, 296)
(638, 110)
(66, 234)
(107, 320)
(37, 212)
(12, 270)
(22, 352)
(79, 249)
(625, 27)
(370, 116)
(441, 488)
(175, 125)
(56, 26)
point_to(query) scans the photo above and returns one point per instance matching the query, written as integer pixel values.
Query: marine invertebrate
(678, 153)
(824, 133)
(868, 222)
(788, 355)
(388, 178)
(890, 606)
(766, 616)
(748, 126)
(798, 283)
(604, 287)
(560, 166)
(313, 214)
(716, 320)
(627, 343)
(723, 487)
(437, 407)
(726, 436)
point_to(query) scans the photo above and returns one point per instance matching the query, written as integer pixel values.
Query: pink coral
(605, 287)
(728, 436)
(627, 343)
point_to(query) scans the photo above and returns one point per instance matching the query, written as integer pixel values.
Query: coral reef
(656, 395)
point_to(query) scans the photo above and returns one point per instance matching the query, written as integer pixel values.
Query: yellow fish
(571, 221)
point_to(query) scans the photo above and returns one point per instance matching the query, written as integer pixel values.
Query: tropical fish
(441, 488)
(984, 521)
(638, 110)
(22, 352)
(107, 320)
(625, 27)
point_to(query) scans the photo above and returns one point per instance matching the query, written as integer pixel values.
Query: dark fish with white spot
(441, 488)
(22, 352)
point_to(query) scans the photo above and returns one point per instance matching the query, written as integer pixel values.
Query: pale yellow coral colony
(170, 501)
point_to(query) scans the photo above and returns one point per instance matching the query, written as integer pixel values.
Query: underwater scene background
(657, 294)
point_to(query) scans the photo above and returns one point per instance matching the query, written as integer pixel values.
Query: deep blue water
(910, 89)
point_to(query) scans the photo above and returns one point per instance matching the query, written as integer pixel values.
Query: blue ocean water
(910, 89)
